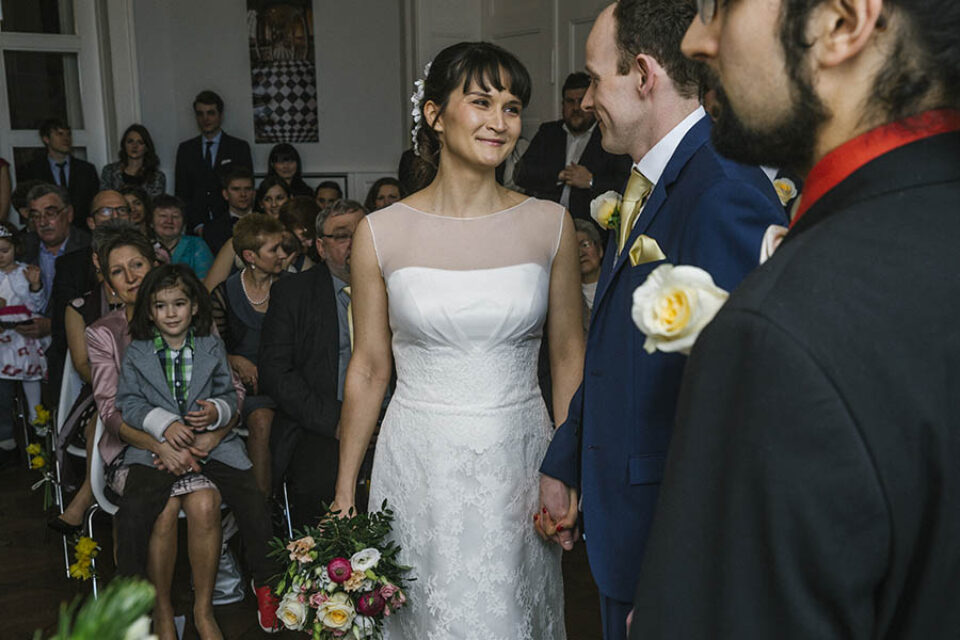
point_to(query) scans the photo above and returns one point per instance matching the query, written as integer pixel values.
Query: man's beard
(585, 122)
(789, 143)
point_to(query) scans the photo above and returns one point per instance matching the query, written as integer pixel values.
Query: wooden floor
(33, 581)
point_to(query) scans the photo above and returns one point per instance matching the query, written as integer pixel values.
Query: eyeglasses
(47, 215)
(337, 237)
(112, 212)
(707, 10)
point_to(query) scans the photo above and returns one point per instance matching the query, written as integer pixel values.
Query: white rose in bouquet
(292, 612)
(365, 559)
(337, 613)
(673, 305)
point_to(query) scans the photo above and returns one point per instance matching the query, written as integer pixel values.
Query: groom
(694, 208)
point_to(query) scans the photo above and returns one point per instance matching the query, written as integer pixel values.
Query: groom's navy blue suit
(705, 211)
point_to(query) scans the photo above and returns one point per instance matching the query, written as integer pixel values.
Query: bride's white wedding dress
(466, 429)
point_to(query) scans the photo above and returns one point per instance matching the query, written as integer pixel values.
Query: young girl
(21, 358)
(176, 384)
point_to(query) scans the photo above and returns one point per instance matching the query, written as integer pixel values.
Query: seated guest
(138, 165)
(327, 193)
(284, 162)
(565, 162)
(299, 219)
(239, 305)
(51, 214)
(57, 166)
(238, 192)
(75, 275)
(591, 259)
(140, 205)
(304, 352)
(191, 395)
(128, 258)
(272, 193)
(201, 160)
(384, 192)
(167, 225)
(78, 427)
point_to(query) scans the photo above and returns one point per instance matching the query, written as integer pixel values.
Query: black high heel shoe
(63, 527)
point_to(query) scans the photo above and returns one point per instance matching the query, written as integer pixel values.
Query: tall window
(50, 69)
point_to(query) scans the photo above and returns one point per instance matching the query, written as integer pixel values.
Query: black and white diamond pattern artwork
(285, 101)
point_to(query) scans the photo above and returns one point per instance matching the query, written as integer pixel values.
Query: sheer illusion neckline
(486, 215)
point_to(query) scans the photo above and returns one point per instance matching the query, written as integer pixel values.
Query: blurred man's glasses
(337, 237)
(107, 213)
(707, 10)
(47, 215)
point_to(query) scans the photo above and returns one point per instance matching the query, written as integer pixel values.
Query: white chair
(70, 388)
(98, 483)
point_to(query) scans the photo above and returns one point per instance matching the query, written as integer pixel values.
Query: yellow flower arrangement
(43, 415)
(34, 449)
(85, 550)
(38, 462)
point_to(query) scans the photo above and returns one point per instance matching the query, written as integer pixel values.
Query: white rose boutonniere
(673, 306)
(605, 209)
(786, 190)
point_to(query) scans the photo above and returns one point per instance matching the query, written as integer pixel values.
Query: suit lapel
(203, 365)
(148, 363)
(692, 141)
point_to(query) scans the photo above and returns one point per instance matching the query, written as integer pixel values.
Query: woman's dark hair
(461, 65)
(114, 234)
(170, 276)
(141, 194)
(371, 202)
(329, 184)
(150, 160)
(268, 183)
(300, 213)
(14, 236)
(283, 152)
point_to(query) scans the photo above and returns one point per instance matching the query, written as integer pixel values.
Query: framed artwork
(283, 70)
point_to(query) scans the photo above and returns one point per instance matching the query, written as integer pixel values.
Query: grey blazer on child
(146, 403)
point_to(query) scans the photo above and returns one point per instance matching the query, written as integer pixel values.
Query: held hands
(176, 461)
(179, 435)
(576, 175)
(206, 416)
(246, 371)
(557, 519)
(32, 273)
(206, 442)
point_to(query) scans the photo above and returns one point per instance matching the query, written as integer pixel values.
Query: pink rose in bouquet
(371, 604)
(339, 570)
(300, 549)
(317, 599)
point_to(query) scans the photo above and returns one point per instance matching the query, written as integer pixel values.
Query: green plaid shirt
(177, 365)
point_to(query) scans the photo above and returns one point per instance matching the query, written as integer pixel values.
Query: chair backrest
(98, 479)
(69, 392)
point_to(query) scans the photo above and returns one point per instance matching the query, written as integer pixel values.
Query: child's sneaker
(267, 604)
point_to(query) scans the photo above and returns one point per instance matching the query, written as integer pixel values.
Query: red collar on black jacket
(839, 164)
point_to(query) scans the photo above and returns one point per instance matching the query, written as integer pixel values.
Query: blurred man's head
(51, 213)
(576, 119)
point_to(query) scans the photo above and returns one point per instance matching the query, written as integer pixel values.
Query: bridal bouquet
(342, 577)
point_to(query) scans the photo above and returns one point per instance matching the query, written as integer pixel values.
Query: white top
(576, 145)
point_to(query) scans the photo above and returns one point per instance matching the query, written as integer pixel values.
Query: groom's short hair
(656, 28)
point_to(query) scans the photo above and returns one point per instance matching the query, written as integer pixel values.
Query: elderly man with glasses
(76, 274)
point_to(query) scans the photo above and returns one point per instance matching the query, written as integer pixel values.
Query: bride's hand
(557, 519)
(341, 509)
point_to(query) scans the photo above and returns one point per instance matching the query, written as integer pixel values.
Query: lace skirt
(464, 485)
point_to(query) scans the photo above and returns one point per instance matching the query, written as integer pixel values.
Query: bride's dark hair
(463, 64)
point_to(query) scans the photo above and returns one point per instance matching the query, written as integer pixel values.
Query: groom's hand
(557, 519)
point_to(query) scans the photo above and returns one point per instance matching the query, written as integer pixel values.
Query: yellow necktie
(634, 196)
(346, 290)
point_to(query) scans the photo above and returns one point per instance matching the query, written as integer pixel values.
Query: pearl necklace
(243, 285)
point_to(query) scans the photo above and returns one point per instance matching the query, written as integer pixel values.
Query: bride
(461, 278)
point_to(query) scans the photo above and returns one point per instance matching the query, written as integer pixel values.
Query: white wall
(185, 46)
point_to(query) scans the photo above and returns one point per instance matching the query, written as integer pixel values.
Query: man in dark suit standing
(812, 488)
(683, 204)
(565, 161)
(304, 352)
(201, 159)
(58, 166)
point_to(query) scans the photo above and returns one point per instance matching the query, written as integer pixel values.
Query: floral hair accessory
(5, 233)
(417, 113)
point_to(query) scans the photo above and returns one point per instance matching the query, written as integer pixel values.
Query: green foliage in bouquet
(121, 613)
(342, 578)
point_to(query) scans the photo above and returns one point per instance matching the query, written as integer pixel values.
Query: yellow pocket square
(645, 250)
